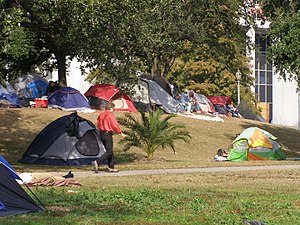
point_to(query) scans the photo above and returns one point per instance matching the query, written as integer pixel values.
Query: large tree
(284, 34)
(34, 30)
(150, 35)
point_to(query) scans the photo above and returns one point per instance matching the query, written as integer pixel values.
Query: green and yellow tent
(255, 144)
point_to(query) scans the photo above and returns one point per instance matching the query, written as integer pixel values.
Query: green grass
(197, 198)
(188, 203)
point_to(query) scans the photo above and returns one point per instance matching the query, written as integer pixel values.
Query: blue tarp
(9, 96)
(30, 86)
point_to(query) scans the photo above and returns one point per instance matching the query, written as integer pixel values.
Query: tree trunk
(156, 66)
(61, 67)
(168, 64)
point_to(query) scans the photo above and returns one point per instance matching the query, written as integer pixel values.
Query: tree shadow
(14, 138)
(126, 157)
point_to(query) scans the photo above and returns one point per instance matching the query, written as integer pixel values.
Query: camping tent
(30, 86)
(255, 144)
(204, 103)
(220, 102)
(247, 113)
(8, 97)
(13, 199)
(69, 140)
(68, 99)
(149, 92)
(98, 95)
(161, 81)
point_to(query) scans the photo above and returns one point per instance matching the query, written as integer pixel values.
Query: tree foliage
(33, 30)
(210, 67)
(199, 44)
(284, 34)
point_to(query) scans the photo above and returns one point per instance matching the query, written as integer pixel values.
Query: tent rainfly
(13, 198)
(98, 95)
(255, 144)
(68, 141)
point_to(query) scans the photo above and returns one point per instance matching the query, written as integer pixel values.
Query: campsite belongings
(255, 144)
(69, 140)
(68, 99)
(47, 179)
(68, 175)
(221, 155)
(52, 87)
(52, 181)
(41, 102)
(13, 198)
(98, 95)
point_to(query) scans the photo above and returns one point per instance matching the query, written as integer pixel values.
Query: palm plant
(152, 132)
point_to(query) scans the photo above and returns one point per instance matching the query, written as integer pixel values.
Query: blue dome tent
(68, 99)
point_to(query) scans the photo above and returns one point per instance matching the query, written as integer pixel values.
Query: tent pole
(44, 208)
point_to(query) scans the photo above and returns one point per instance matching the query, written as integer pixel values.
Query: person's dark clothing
(107, 139)
(51, 88)
(108, 125)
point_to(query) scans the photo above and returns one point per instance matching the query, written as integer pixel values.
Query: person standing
(108, 125)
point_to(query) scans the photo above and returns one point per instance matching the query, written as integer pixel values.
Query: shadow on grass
(126, 157)
(13, 133)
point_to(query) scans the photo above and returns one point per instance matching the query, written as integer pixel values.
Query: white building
(278, 99)
(75, 77)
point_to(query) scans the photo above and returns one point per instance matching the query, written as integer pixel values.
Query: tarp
(161, 81)
(255, 144)
(159, 97)
(246, 112)
(30, 86)
(10, 95)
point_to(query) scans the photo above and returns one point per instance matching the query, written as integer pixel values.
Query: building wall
(284, 106)
(75, 78)
(285, 103)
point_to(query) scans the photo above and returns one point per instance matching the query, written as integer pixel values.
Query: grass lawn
(198, 198)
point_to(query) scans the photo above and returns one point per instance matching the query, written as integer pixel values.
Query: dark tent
(246, 112)
(69, 140)
(13, 199)
(161, 81)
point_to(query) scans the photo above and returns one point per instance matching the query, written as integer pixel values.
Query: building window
(263, 70)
